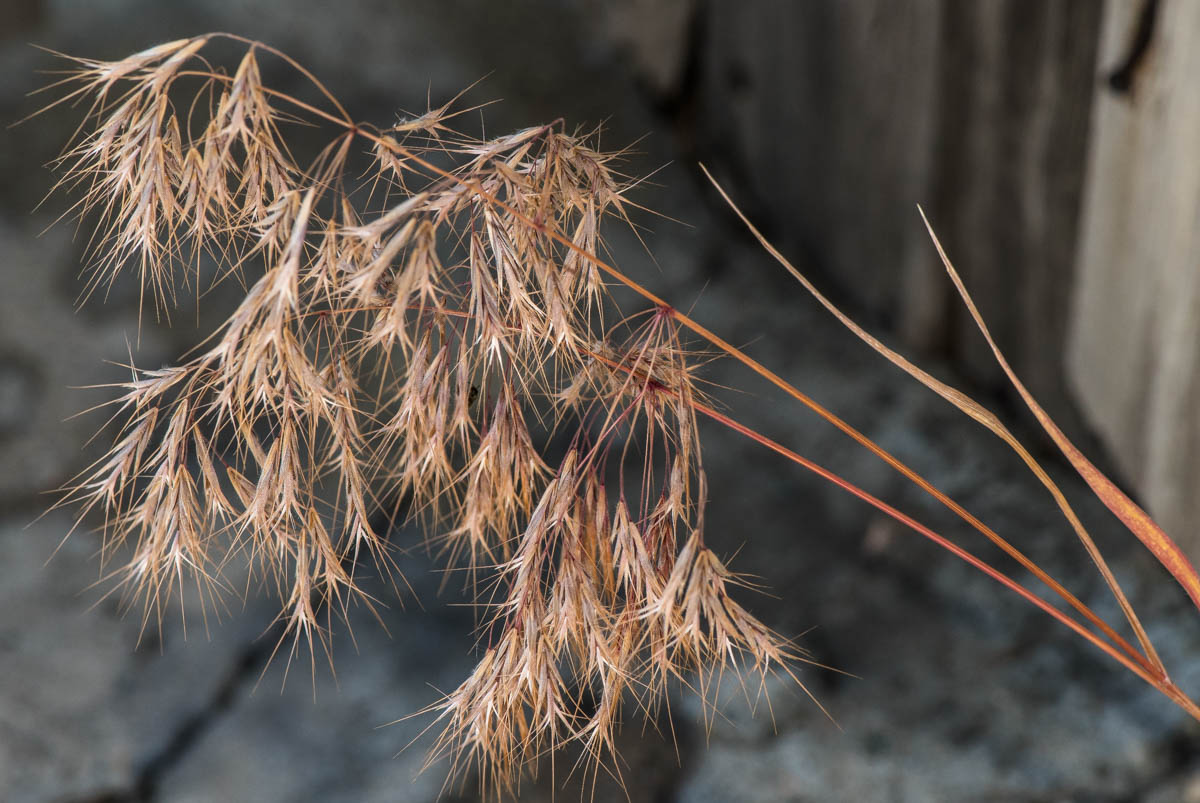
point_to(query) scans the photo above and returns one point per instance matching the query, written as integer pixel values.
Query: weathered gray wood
(834, 119)
(1134, 349)
(841, 117)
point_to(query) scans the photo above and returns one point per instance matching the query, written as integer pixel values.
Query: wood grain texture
(839, 118)
(1134, 346)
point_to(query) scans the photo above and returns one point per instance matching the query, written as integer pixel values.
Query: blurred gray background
(1052, 145)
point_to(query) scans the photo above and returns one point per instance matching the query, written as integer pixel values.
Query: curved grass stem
(529, 278)
(1149, 667)
(1121, 652)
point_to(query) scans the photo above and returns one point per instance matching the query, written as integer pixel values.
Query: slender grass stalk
(414, 334)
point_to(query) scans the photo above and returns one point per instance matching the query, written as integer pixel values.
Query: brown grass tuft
(412, 335)
(424, 318)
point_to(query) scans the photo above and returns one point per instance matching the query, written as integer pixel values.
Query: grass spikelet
(427, 322)
(415, 335)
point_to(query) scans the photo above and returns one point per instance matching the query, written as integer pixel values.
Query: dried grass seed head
(412, 335)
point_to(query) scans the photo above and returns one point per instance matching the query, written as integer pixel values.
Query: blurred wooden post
(838, 118)
(1134, 340)
(831, 120)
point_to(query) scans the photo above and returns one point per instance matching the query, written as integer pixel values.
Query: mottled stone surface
(960, 691)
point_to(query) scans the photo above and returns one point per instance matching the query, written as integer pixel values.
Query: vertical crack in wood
(1122, 77)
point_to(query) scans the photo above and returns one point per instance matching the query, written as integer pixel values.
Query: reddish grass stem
(1149, 667)
(624, 596)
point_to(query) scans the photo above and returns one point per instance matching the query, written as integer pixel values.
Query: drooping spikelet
(414, 336)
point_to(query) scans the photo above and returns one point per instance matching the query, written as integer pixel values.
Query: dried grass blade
(985, 417)
(1131, 515)
(1116, 654)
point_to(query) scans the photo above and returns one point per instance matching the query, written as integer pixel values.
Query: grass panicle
(427, 323)
(410, 336)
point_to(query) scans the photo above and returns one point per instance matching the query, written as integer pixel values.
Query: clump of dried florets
(412, 336)
(607, 602)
